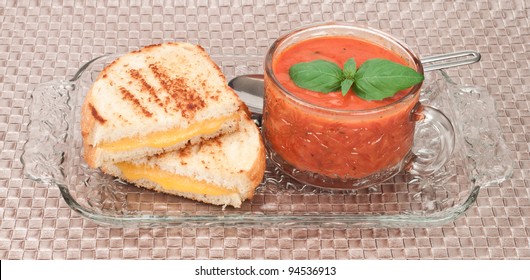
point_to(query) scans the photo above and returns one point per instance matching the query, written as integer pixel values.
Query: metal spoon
(250, 87)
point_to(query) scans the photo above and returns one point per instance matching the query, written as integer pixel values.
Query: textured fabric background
(45, 40)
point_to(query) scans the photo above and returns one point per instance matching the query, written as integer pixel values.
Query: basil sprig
(376, 79)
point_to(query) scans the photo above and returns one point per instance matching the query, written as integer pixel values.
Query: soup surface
(337, 50)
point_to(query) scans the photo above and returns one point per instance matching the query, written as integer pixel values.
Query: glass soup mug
(345, 148)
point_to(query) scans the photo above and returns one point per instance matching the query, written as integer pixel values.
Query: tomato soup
(330, 134)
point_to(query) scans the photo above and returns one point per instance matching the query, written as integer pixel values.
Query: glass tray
(52, 155)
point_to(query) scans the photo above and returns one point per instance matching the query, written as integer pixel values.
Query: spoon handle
(250, 89)
(448, 60)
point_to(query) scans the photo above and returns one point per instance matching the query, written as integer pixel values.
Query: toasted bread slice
(154, 100)
(223, 171)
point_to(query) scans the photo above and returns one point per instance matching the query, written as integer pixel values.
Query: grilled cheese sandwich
(154, 100)
(164, 118)
(222, 171)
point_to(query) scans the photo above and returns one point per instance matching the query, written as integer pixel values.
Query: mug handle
(425, 165)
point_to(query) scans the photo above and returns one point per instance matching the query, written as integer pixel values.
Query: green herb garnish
(317, 75)
(375, 79)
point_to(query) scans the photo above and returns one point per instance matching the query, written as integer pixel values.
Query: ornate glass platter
(52, 155)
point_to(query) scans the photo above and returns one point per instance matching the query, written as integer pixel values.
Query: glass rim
(396, 42)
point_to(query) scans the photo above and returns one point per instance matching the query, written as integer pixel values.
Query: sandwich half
(224, 170)
(154, 100)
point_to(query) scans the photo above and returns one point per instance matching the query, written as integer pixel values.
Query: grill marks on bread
(127, 95)
(186, 99)
(145, 86)
(96, 114)
(153, 86)
(190, 150)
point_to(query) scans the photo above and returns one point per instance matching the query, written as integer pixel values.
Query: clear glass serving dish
(52, 155)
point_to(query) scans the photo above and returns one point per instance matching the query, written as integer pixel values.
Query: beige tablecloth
(45, 40)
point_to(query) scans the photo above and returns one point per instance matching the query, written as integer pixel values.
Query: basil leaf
(377, 79)
(317, 75)
(350, 68)
(345, 86)
(368, 91)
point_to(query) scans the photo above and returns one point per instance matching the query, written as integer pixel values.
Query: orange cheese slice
(170, 181)
(170, 137)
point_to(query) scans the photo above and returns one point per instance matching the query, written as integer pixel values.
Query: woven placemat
(45, 40)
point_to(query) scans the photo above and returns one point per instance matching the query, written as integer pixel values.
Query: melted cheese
(168, 138)
(170, 181)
